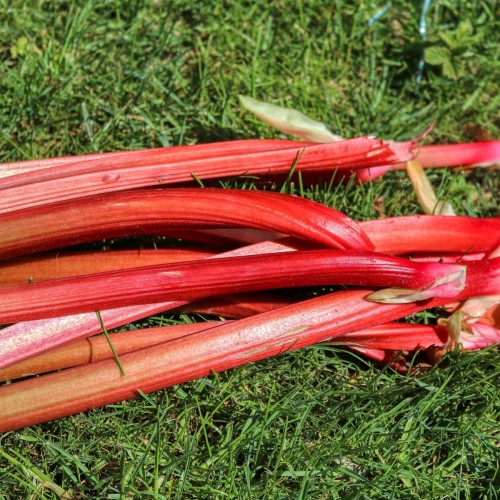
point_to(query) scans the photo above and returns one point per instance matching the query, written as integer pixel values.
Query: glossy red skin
(433, 233)
(180, 164)
(208, 277)
(151, 211)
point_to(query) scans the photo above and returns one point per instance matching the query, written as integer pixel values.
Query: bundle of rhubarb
(54, 300)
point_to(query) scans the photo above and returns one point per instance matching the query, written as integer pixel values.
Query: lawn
(83, 77)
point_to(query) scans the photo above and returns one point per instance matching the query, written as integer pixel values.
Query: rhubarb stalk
(207, 277)
(197, 355)
(140, 212)
(64, 264)
(427, 234)
(394, 235)
(94, 349)
(122, 172)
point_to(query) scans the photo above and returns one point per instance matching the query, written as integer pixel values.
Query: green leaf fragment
(450, 70)
(398, 296)
(289, 121)
(449, 39)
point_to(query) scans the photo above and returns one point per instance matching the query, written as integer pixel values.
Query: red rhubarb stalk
(154, 155)
(396, 337)
(452, 155)
(433, 233)
(472, 154)
(122, 172)
(467, 155)
(389, 336)
(140, 212)
(202, 278)
(448, 258)
(28, 338)
(483, 278)
(198, 355)
(408, 235)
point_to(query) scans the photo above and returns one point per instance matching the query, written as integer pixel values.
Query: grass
(90, 76)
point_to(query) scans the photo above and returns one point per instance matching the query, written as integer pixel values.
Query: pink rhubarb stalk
(452, 155)
(480, 336)
(433, 233)
(28, 338)
(467, 155)
(415, 235)
(154, 155)
(407, 235)
(472, 154)
(94, 349)
(396, 337)
(389, 336)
